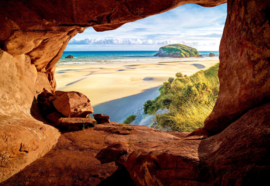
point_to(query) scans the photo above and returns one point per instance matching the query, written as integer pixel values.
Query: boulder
(101, 118)
(74, 124)
(211, 55)
(54, 117)
(72, 104)
(44, 102)
(77, 122)
(69, 56)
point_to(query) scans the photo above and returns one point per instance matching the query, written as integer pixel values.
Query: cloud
(188, 24)
(115, 41)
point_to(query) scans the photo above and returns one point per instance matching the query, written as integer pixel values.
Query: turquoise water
(97, 57)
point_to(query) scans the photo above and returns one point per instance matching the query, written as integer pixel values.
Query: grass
(189, 101)
(129, 119)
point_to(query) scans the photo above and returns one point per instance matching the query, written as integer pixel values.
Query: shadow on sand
(120, 109)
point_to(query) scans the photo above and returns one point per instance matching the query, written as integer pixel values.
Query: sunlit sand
(104, 83)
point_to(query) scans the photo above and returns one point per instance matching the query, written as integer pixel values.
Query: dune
(113, 87)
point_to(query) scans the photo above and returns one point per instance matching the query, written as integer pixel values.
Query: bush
(189, 101)
(179, 75)
(129, 119)
(170, 80)
(166, 86)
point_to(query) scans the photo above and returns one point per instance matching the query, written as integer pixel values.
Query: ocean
(120, 57)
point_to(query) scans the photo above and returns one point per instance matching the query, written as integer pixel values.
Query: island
(177, 50)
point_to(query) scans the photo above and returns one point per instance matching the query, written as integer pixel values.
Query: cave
(231, 149)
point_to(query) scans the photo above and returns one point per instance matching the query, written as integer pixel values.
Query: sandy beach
(121, 89)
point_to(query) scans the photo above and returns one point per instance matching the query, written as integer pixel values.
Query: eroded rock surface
(244, 63)
(101, 118)
(72, 104)
(154, 157)
(23, 140)
(33, 37)
(73, 162)
(239, 155)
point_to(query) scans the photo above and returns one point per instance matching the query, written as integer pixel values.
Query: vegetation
(183, 50)
(189, 101)
(129, 119)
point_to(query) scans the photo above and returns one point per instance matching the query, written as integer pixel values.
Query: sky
(189, 24)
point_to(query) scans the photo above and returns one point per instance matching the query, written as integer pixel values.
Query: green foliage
(183, 50)
(129, 119)
(189, 101)
(170, 80)
(179, 75)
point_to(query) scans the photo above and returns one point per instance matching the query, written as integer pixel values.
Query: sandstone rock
(33, 38)
(154, 157)
(54, 117)
(69, 56)
(112, 153)
(73, 104)
(211, 55)
(222, 159)
(86, 122)
(45, 105)
(244, 63)
(101, 118)
(23, 140)
(71, 162)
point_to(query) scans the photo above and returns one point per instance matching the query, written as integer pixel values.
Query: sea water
(119, 57)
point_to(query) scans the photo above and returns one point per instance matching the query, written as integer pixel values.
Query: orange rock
(73, 104)
(80, 122)
(101, 118)
(244, 63)
(54, 117)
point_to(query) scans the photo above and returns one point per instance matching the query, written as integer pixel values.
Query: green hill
(177, 50)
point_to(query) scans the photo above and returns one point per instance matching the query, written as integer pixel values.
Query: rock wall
(244, 63)
(35, 35)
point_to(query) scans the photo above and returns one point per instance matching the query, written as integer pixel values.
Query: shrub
(170, 80)
(166, 86)
(189, 101)
(129, 119)
(179, 75)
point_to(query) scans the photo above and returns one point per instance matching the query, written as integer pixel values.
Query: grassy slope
(189, 101)
(183, 50)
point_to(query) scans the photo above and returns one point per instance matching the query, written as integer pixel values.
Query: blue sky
(189, 24)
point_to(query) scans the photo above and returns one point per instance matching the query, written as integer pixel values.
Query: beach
(120, 90)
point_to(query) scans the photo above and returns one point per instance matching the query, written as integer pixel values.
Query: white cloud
(189, 24)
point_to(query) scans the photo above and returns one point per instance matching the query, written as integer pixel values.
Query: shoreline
(119, 89)
(146, 60)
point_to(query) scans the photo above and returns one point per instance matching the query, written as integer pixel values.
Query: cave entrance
(118, 72)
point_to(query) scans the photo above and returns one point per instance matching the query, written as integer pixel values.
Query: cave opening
(231, 148)
(118, 69)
